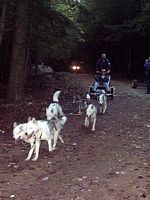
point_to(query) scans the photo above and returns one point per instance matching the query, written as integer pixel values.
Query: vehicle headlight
(74, 67)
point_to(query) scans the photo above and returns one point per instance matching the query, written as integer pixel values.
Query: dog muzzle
(17, 139)
(30, 135)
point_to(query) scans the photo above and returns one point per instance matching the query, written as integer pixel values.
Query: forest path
(111, 163)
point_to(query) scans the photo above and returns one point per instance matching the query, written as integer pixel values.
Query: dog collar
(55, 102)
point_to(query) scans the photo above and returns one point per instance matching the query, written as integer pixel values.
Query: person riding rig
(103, 67)
(103, 64)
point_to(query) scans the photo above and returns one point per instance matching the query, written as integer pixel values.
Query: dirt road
(112, 163)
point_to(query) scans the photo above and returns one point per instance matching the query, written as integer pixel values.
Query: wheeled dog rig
(102, 83)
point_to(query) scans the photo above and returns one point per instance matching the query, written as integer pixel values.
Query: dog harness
(53, 122)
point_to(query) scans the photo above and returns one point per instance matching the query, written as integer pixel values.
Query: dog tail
(63, 120)
(55, 96)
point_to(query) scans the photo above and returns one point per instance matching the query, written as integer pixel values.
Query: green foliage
(70, 10)
(57, 28)
(54, 31)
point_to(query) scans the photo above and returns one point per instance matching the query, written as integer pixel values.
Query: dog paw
(93, 129)
(54, 148)
(86, 125)
(50, 150)
(34, 159)
(27, 159)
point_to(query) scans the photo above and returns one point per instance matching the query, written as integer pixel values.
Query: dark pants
(101, 80)
(147, 79)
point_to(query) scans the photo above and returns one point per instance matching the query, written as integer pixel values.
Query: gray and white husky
(102, 100)
(35, 131)
(54, 110)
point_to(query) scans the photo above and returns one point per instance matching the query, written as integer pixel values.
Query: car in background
(77, 67)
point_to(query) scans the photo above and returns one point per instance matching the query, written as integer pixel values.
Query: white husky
(54, 111)
(91, 114)
(102, 100)
(35, 131)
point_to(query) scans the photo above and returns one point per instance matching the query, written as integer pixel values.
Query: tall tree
(2, 20)
(17, 71)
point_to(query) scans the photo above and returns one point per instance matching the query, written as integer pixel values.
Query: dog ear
(33, 120)
(88, 97)
(14, 124)
(29, 118)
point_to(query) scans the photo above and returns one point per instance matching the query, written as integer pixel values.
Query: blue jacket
(147, 66)
(103, 64)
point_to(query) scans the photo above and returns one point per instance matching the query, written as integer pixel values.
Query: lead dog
(91, 114)
(54, 111)
(20, 133)
(35, 131)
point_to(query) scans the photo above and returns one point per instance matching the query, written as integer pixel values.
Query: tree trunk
(2, 21)
(17, 70)
(129, 61)
(29, 37)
